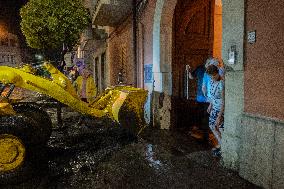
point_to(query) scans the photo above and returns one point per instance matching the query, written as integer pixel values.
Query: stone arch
(163, 40)
(162, 45)
(162, 58)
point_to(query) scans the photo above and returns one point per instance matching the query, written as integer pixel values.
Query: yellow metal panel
(5, 107)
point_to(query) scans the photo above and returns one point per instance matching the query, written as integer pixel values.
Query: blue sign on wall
(148, 73)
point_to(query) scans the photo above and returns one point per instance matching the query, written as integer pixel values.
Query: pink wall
(264, 66)
(146, 19)
(122, 37)
(120, 47)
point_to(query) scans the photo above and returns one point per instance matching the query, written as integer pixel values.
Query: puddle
(157, 164)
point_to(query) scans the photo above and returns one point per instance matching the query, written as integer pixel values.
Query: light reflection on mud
(98, 155)
(150, 156)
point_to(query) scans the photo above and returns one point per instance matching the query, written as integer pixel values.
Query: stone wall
(233, 111)
(161, 110)
(233, 35)
(262, 151)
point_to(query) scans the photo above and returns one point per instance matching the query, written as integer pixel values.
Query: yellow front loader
(25, 125)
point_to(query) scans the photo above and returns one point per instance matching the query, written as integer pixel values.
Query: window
(103, 61)
(96, 71)
(123, 63)
(13, 59)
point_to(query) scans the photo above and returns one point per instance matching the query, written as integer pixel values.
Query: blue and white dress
(216, 100)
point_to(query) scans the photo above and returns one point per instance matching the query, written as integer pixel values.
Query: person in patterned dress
(216, 107)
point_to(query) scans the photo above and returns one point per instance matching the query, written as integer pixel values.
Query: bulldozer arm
(24, 126)
(59, 87)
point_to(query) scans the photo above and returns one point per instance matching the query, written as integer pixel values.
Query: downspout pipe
(134, 18)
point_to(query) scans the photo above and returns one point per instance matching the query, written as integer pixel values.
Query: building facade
(149, 43)
(10, 52)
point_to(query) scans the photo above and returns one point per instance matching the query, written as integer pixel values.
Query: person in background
(65, 71)
(216, 108)
(73, 74)
(85, 86)
(61, 66)
(200, 131)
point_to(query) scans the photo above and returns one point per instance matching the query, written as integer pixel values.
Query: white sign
(252, 37)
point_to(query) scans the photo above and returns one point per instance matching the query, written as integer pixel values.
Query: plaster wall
(264, 68)
(147, 19)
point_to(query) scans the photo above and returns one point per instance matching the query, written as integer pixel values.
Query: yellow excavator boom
(60, 88)
(20, 127)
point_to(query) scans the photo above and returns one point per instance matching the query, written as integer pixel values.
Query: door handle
(187, 69)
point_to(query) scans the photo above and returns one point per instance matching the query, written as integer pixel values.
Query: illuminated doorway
(197, 35)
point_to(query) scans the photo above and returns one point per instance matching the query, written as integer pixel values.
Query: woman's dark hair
(212, 70)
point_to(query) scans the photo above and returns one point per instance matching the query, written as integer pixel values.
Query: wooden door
(193, 43)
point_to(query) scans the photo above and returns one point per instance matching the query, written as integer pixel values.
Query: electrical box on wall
(148, 73)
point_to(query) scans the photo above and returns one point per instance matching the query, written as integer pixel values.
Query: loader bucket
(124, 104)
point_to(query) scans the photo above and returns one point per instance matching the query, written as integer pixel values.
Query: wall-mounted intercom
(232, 54)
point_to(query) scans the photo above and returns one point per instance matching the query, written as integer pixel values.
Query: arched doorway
(193, 43)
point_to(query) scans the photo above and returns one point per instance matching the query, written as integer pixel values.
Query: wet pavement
(99, 154)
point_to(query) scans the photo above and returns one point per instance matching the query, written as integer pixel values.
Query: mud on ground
(98, 154)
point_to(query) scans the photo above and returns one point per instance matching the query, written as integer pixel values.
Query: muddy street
(97, 154)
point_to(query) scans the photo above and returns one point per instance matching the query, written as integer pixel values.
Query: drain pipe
(134, 17)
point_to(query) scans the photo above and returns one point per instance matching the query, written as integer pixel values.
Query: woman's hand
(218, 122)
(218, 132)
(209, 108)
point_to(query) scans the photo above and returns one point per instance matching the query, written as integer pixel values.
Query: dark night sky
(10, 15)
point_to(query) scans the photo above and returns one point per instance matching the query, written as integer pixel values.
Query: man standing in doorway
(199, 131)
